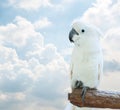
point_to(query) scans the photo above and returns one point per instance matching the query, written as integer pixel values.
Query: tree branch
(95, 99)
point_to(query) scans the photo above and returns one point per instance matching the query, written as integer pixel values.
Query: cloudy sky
(35, 50)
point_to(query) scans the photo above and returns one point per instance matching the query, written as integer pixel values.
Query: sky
(35, 51)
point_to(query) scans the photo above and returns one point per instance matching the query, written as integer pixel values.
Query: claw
(84, 89)
(83, 94)
(78, 84)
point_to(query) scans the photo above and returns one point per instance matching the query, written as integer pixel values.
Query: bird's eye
(82, 30)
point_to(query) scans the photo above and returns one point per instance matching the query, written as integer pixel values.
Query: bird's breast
(85, 67)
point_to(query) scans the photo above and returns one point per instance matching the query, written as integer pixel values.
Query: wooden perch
(95, 99)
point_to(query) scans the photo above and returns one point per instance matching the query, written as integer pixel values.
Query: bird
(86, 65)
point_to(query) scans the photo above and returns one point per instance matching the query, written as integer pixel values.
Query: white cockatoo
(87, 60)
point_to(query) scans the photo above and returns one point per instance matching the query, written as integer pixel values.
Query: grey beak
(72, 33)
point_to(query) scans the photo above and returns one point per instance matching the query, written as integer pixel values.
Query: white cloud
(3, 97)
(110, 82)
(18, 33)
(42, 23)
(11, 72)
(36, 78)
(30, 4)
(111, 44)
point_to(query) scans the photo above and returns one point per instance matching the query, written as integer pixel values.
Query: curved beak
(72, 33)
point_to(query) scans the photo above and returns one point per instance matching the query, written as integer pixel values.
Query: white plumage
(87, 60)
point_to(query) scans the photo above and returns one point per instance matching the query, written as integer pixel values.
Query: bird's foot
(79, 84)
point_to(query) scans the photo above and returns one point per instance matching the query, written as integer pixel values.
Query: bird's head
(83, 34)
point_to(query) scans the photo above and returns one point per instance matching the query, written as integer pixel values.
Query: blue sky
(35, 50)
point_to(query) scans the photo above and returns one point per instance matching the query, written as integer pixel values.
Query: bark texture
(95, 99)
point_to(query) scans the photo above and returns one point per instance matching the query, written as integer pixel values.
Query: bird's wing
(71, 70)
(100, 70)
